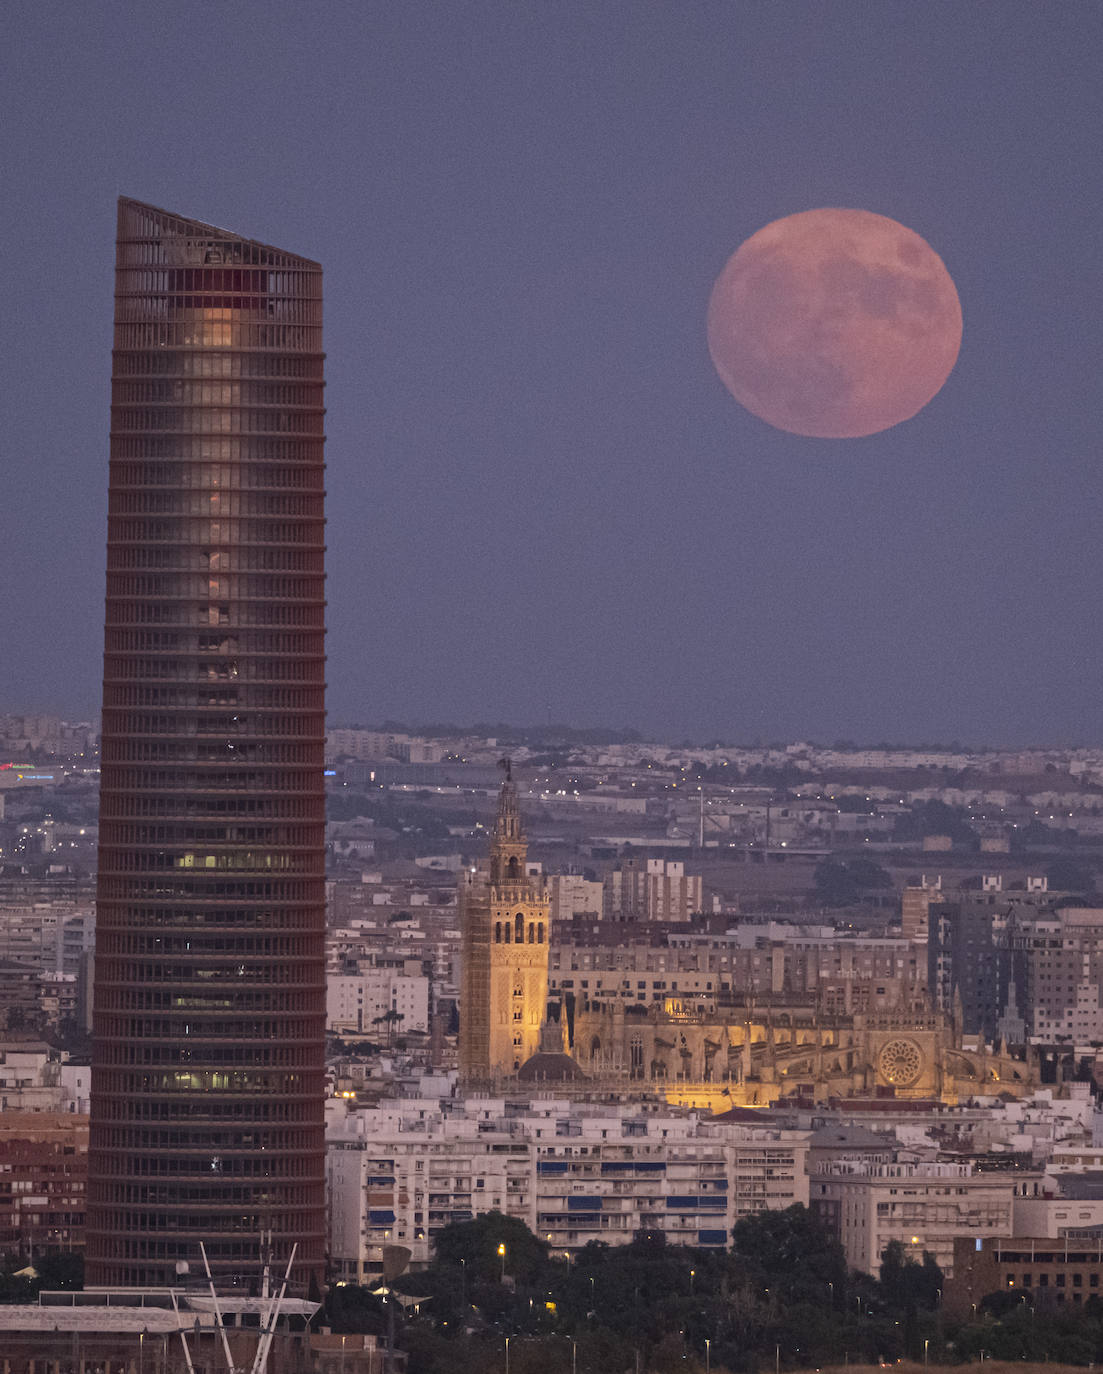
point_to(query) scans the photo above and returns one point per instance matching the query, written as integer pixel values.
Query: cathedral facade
(505, 925)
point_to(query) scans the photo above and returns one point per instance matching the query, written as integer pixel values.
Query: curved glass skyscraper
(209, 1003)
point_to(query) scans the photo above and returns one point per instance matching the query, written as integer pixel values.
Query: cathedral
(754, 1055)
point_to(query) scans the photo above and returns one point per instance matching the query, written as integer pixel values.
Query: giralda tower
(209, 1003)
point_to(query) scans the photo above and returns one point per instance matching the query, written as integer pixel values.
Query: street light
(708, 1355)
(692, 1276)
(502, 1257)
(507, 1355)
(926, 1343)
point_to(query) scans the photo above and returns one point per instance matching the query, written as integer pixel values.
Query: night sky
(543, 503)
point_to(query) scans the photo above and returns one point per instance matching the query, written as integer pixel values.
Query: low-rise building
(923, 1205)
(1044, 1271)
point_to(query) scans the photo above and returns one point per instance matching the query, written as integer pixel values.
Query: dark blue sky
(542, 500)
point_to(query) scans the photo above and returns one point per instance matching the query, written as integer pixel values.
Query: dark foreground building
(209, 1006)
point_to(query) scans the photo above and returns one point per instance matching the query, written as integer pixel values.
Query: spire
(508, 826)
(508, 848)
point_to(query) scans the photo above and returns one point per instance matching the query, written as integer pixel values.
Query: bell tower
(505, 951)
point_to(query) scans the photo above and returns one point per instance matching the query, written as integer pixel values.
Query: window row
(217, 391)
(195, 886)
(199, 944)
(235, 1028)
(198, 1056)
(208, 1225)
(296, 1152)
(198, 420)
(123, 859)
(215, 586)
(197, 448)
(195, 363)
(117, 807)
(184, 559)
(513, 931)
(123, 750)
(217, 317)
(243, 723)
(232, 615)
(277, 1084)
(246, 781)
(217, 476)
(310, 699)
(270, 1002)
(159, 501)
(133, 332)
(305, 531)
(224, 273)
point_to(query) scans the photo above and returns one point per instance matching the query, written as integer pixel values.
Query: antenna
(183, 1338)
(271, 1317)
(218, 1312)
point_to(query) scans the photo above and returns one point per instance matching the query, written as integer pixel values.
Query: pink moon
(834, 323)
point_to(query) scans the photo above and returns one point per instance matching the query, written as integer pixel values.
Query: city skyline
(522, 218)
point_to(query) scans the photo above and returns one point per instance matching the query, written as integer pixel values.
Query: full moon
(834, 323)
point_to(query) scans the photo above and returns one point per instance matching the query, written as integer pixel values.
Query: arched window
(511, 867)
(497, 932)
(532, 932)
(508, 929)
(519, 934)
(540, 932)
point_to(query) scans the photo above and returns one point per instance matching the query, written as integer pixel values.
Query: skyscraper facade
(209, 1001)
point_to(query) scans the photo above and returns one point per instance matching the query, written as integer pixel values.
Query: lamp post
(463, 1282)
(926, 1343)
(692, 1276)
(502, 1257)
(507, 1355)
(708, 1355)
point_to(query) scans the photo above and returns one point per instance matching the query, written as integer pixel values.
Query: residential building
(651, 890)
(923, 1205)
(573, 1173)
(379, 1000)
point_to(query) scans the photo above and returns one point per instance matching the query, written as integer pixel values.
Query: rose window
(900, 1063)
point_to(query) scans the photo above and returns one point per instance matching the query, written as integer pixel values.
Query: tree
(906, 1285)
(792, 1254)
(475, 1244)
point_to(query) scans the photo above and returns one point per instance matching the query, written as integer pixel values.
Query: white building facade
(572, 1173)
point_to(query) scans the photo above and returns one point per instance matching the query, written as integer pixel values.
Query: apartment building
(651, 890)
(365, 1001)
(923, 1205)
(572, 1173)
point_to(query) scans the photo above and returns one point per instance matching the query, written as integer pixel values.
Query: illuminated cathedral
(754, 1055)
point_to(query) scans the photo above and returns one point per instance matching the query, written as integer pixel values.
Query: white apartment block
(358, 1001)
(572, 1173)
(921, 1205)
(571, 894)
(651, 890)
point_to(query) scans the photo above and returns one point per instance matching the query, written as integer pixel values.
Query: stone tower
(504, 916)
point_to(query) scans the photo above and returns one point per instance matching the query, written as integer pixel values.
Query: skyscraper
(209, 1017)
(504, 919)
